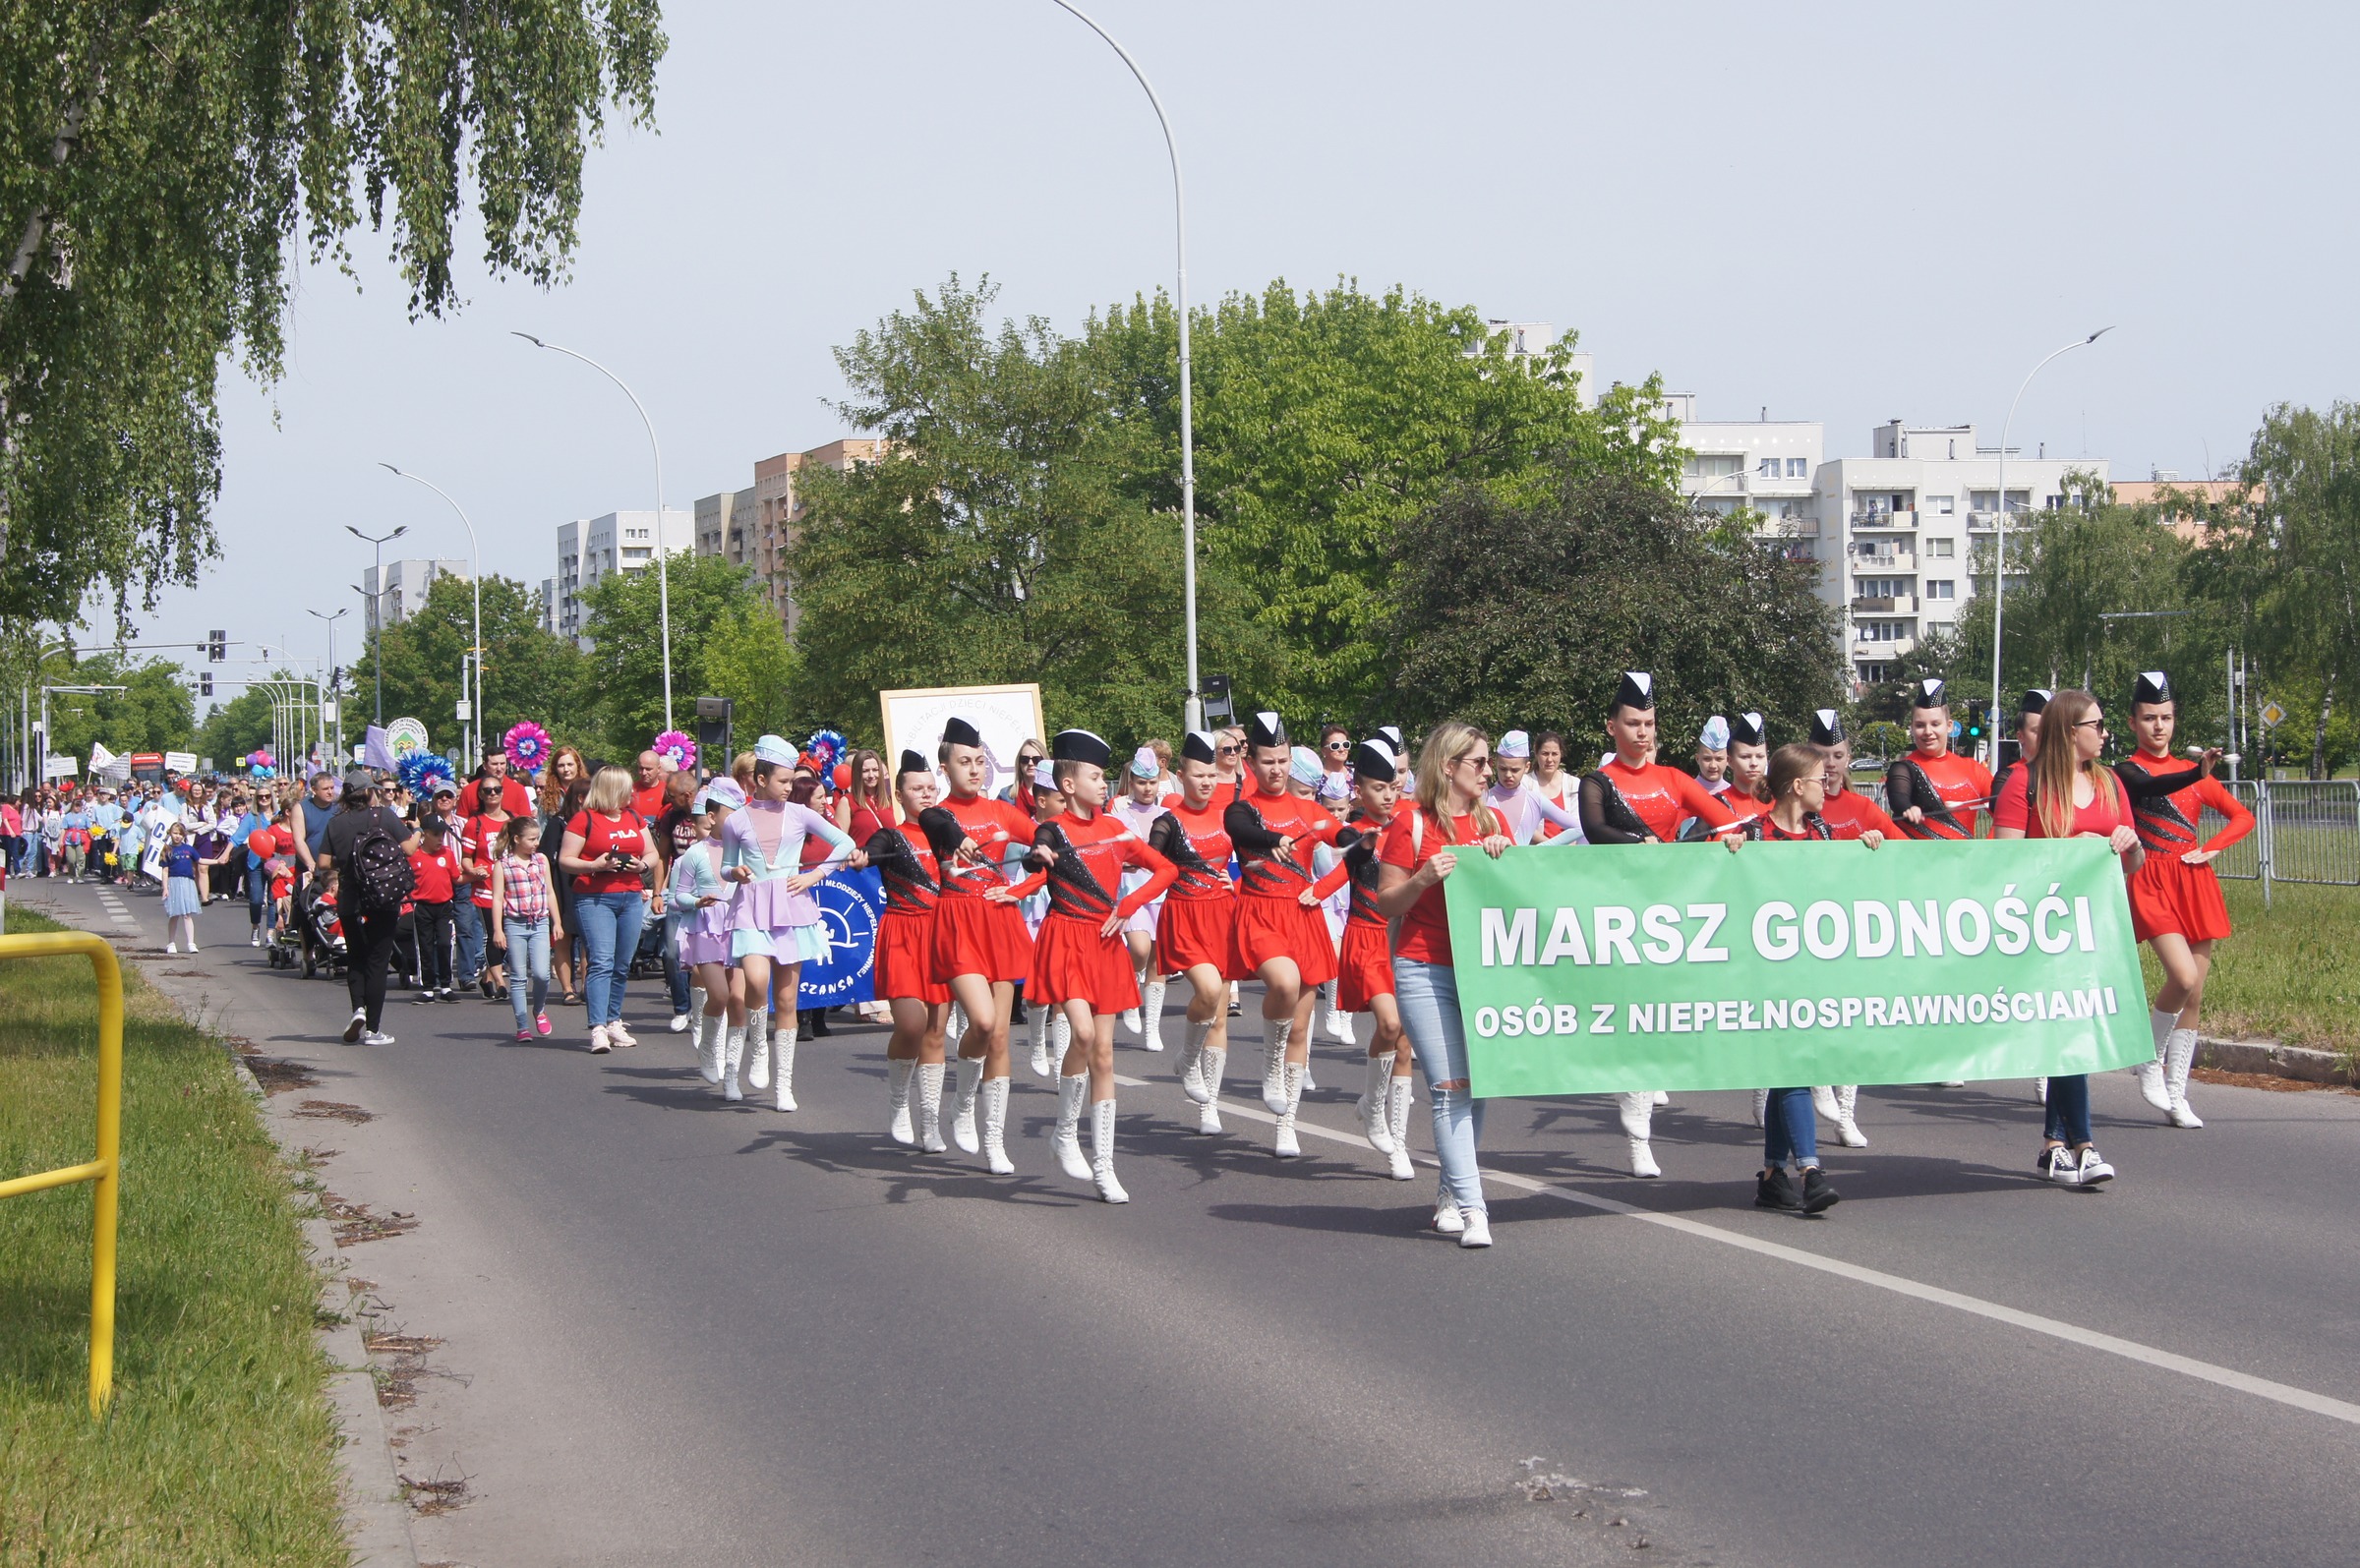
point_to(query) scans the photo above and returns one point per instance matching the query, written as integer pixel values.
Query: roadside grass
(219, 1448)
(2291, 972)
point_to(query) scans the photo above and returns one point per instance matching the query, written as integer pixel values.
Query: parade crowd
(1073, 900)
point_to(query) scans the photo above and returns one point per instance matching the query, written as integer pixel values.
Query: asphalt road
(680, 1331)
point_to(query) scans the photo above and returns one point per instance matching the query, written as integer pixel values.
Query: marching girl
(1140, 804)
(1365, 981)
(2176, 906)
(1080, 965)
(1748, 791)
(1633, 798)
(1939, 794)
(980, 946)
(1416, 854)
(1796, 781)
(1530, 815)
(864, 808)
(1846, 812)
(2066, 793)
(1712, 755)
(1052, 1030)
(774, 921)
(1278, 940)
(1335, 1019)
(919, 1005)
(698, 898)
(1197, 933)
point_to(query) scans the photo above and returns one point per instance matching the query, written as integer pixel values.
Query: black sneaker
(425, 995)
(1774, 1191)
(1818, 1195)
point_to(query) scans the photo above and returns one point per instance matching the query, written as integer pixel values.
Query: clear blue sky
(1843, 212)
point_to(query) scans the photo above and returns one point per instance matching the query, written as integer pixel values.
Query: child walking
(181, 900)
(524, 923)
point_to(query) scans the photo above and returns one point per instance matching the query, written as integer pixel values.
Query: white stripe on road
(2071, 1333)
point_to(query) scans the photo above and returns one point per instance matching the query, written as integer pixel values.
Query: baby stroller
(326, 951)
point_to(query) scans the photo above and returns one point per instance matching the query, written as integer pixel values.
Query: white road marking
(1899, 1285)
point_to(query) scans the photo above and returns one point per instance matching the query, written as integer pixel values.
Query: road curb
(2272, 1059)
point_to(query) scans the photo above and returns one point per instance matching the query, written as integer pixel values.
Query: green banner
(1587, 971)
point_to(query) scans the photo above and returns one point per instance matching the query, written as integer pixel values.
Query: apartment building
(763, 518)
(1770, 466)
(591, 548)
(1539, 337)
(403, 591)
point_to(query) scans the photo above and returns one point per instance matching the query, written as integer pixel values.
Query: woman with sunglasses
(2067, 794)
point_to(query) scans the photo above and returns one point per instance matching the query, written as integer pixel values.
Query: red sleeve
(1161, 874)
(1873, 815)
(1020, 824)
(2212, 792)
(1698, 801)
(580, 827)
(2012, 809)
(1338, 875)
(1393, 847)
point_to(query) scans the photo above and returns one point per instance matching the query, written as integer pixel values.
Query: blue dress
(180, 881)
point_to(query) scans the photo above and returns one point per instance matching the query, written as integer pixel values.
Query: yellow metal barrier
(105, 1173)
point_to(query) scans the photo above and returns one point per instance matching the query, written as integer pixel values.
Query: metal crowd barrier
(104, 1172)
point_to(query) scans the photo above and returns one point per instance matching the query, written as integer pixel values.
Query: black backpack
(380, 877)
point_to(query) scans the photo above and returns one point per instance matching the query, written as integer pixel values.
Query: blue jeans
(1428, 995)
(528, 949)
(1788, 1128)
(468, 917)
(2069, 1109)
(260, 909)
(610, 923)
(676, 975)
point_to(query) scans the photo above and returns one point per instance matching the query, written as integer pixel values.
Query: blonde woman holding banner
(1417, 853)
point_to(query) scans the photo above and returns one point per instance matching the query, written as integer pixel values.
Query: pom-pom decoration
(421, 769)
(527, 746)
(827, 746)
(677, 748)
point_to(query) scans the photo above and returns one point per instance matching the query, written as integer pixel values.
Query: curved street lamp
(1999, 529)
(475, 571)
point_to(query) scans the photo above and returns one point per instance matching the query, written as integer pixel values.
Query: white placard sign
(1005, 716)
(180, 760)
(405, 734)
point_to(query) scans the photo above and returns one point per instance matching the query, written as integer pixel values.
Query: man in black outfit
(369, 933)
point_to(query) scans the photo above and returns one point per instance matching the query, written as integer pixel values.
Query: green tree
(528, 673)
(1325, 421)
(239, 726)
(1004, 537)
(1526, 615)
(725, 642)
(157, 163)
(154, 712)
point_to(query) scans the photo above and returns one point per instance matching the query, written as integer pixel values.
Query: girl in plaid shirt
(524, 920)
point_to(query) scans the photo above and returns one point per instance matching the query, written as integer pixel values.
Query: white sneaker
(680, 1023)
(359, 1025)
(1477, 1231)
(617, 1034)
(600, 1045)
(377, 1038)
(1448, 1219)
(255, 941)
(171, 946)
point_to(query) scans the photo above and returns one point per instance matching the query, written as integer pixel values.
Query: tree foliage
(1527, 614)
(154, 712)
(528, 673)
(725, 642)
(156, 163)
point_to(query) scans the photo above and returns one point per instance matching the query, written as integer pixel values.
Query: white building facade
(593, 549)
(402, 594)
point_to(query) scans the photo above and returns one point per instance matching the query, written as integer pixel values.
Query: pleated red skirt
(905, 959)
(1366, 967)
(974, 936)
(1282, 928)
(1197, 931)
(2168, 896)
(1072, 963)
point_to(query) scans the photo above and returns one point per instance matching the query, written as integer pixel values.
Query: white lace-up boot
(1066, 1142)
(1761, 1105)
(709, 1032)
(1208, 1079)
(897, 1101)
(2179, 1059)
(1061, 1040)
(994, 1103)
(1150, 1032)
(1371, 1104)
(1274, 1034)
(963, 1110)
(1638, 1118)
(927, 1113)
(781, 1049)
(1823, 1102)
(954, 1028)
(1398, 1097)
(1848, 1127)
(1285, 1144)
(1037, 1024)
(733, 1053)
(757, 1048)
(1192, 1059)
(2154, 1087)
(1101, 1153)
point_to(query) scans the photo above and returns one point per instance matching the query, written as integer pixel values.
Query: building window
(1884, 631)
(1941, 588)
(1873, 673)
(1798, 468)
(1946, 505)
(1767, 468)
(1941, 549)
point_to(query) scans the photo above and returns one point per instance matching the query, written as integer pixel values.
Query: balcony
(1881, 650)
(1895, 605)
(1873, 520)
(1891, 561)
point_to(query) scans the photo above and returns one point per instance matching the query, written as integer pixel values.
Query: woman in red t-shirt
(1418, 851)
(607, 852)
(2067, 794)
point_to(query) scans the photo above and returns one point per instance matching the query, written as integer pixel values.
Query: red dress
(1072, 961)
(906, 930)
(1849, 813)
(2168, 896)
(972, 934)
(1365, 967)
(1199, 925)
(1951, 791)
(1622, 804)
(1272, 922)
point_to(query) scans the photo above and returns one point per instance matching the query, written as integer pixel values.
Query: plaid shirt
(524, 888)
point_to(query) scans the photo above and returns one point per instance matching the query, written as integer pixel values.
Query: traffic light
(1976, 712)
(217, 646)
(205, 683)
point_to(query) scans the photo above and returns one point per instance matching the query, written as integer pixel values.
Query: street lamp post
(663, 577)
(475, 568)
(375, 627)
(1194, 710)
(336, 687)
(1999, 529)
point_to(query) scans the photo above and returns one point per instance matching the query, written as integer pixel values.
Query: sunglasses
(2099, 724)
(1340, 745)
(1228, 751)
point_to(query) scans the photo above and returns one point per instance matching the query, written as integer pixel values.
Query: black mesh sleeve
(2140, 785)
(1247, 830)
(1606, 817)
(943, 833)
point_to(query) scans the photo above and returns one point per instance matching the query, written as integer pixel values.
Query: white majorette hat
(1201, 745)
(722, 792)
(1144, 764)
(1515, 743)
(771, 748)
(1715, 734)
(1044, 777)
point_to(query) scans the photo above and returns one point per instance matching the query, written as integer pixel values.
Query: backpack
(380, 878)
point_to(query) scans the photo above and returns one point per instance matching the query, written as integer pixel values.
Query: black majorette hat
(1931, 693)
(1390, 734)
(1266, 729)
(1200, 746)
(1827, 727)
(1637, 690)
(911, 762)
(1080, 745)
(2152, 687)
(1374, 759)
(1747, 729)
(2035, 700)
(959, 733)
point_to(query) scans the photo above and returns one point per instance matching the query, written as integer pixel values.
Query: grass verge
(2291, 972)
(221, 1446)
